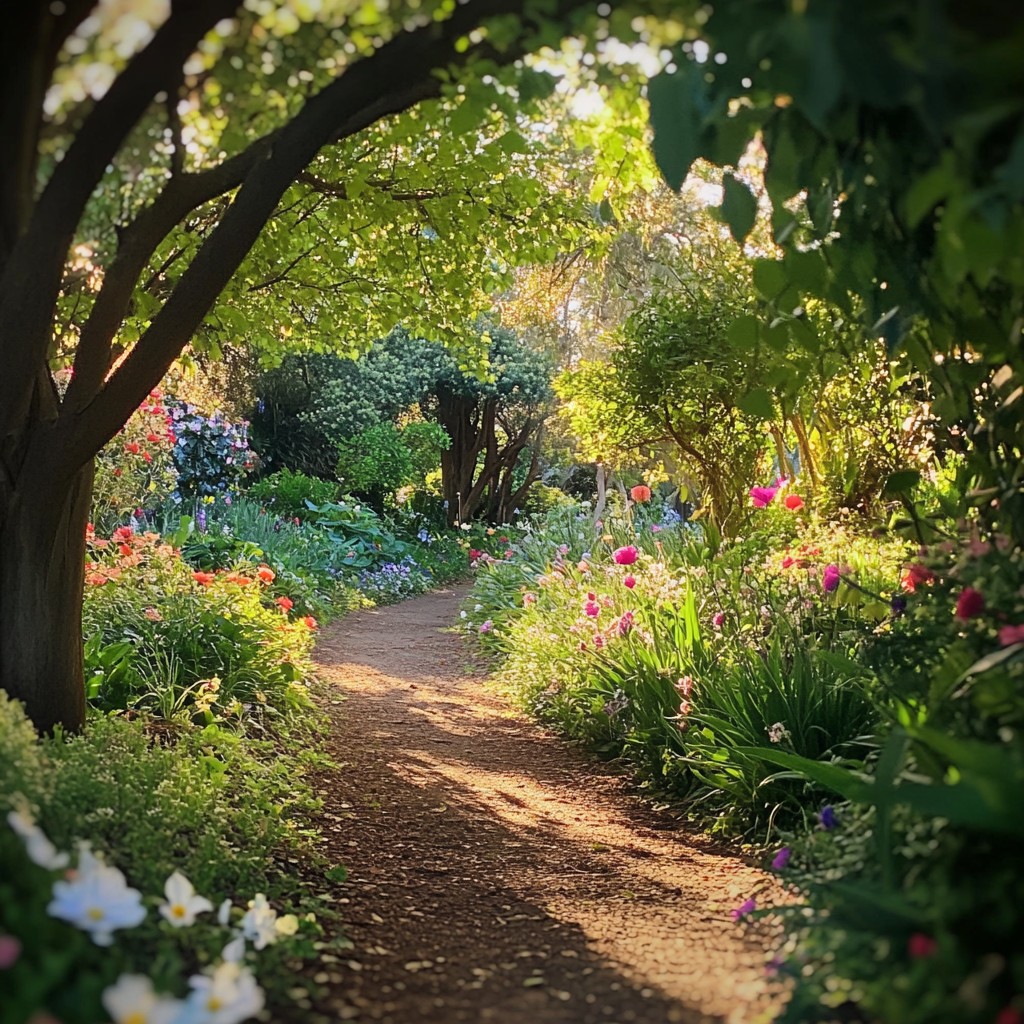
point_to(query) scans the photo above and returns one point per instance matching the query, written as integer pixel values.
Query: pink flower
(592, 609)
(487, 626)
(763, 496)
(598, 640)
(684, 708)
(626, 556)
(970, 603)
(830, 579)
(625, 623)
(717, 619)
(921, 946)
(10, 950)
(1011, 635)
(655, 528)
(629, 581)
(746, 907)
(685, 685)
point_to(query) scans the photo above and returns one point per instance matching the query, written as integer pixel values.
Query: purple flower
(898, 605)
(830, 579)
(763, 496)
(781, 859)
(746, 907)
(827, 818)
(487, 626)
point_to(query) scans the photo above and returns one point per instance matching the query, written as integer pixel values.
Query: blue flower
(827, 818)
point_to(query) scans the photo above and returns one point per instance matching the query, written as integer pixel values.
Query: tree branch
(137, 244)
(32, 276)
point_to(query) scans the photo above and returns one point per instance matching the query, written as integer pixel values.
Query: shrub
(375, 463)
(289, 494)
(210, 454)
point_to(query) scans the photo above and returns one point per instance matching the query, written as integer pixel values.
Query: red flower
(117, 472)
(132, 447)
(915, 576)
(970, 603)
(205, 578)
(788, 561)
(284, 603)
(921, 946)
(156, 393)
(509, 553)
(147, 456)
(1009, 1015)
(90, 531)
(125, 549)
(266, 574)
(123, 533)
(640, 494)
(474, 554)
(311, 622)
(794, 502)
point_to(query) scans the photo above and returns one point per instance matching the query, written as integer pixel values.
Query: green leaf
(676, 125)
(770, 278)
(337, 874)
(739, 207)
(902, 481)
(742, 333)
(758, 403)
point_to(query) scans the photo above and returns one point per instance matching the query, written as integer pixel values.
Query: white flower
(133, 1001)
(182, 902)
(39, 849)
(234, 950)
(259, 923)
(224, 913)
(97, 899)
(462, 615)
(229, 996)
(478, 607)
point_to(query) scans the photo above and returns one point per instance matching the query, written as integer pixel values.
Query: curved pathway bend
(497, 874)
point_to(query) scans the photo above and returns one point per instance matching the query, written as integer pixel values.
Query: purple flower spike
(830, 579)
(828, 818)
(746, 907)
(763, 496)
(781, 859)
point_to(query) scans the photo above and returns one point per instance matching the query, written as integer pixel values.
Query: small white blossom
(38, 847)
(97, 899)
(777, 732)
(229, 996)
(132, 1001)
(182, 902)
(224, 913)
(259, 923)
(234, 951)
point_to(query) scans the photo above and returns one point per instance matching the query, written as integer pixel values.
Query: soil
(498, 874)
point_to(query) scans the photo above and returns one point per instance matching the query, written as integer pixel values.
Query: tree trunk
(42, 574)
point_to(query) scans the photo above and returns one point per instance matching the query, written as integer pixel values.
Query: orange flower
(90, 531)
(915, 576)
(640, 494)
(284, 603)
(266, 574)
(96, 579)
(311, 622)
(125, 549)
(205, 578)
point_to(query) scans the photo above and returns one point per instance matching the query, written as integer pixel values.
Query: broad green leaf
(676, 124)
(739, 207)
(758, 403)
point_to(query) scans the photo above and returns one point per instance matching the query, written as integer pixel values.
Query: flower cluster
(210, 454)
(96, 898)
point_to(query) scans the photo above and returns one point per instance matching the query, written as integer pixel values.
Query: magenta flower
(746, 907)
(781, 859)
(717, 619)
(625, 623)
(10, 951)
(969, 604)
(830, 579)
(626, 556)
(592, 609)
(629, 581)
(487, 626)
(763, 496)
(921, 946)
(1011, 635)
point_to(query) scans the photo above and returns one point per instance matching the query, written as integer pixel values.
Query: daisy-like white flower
(224, 913)
(182, 902)
(234, 951)
(228, 996)
(97, 899)
(132, 1001)
(38, 847)
(259, 925)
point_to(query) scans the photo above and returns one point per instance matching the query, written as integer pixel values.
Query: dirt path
(499, 875)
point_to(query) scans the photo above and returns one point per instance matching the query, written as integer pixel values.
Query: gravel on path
(496, 873)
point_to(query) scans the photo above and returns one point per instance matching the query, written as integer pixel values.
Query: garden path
(497, 874)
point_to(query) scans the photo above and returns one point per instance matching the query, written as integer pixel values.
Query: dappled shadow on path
(498, 875)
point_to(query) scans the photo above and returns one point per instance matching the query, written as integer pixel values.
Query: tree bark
(42, 570)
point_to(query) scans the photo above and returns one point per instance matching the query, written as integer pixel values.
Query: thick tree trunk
(42, 568)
